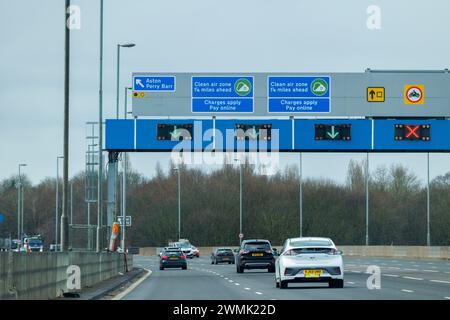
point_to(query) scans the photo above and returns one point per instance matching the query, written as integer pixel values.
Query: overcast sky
(195, 36)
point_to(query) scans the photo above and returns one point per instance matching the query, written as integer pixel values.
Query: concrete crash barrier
(45, 275)
(415, 252)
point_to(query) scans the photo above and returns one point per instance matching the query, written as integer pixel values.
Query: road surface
(400, 279)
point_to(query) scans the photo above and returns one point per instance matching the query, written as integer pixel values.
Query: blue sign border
(327, 98)
(155, 76)
(250, 98)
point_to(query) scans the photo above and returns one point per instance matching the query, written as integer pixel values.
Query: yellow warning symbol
(138, 94)
(414, 94)
(375, 94)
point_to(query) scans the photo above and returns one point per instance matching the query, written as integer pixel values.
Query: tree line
(210, 207)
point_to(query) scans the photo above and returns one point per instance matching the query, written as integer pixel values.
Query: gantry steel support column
(112, 166)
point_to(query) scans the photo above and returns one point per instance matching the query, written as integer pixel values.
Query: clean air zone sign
(227, 94)
(292, 94)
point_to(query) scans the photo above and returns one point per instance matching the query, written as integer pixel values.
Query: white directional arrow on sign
(139, 82)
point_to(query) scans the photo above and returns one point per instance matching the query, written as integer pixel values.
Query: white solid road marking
(258, 292)
(390, 275)
(133, 286)
(440, 281)
(409, 291)
(412, 278)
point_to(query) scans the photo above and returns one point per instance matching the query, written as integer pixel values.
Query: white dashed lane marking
(247, 288)
(406, 290)
(430, 271)
(259, 293)
(390, 275)
(412, 278)
(440, 281)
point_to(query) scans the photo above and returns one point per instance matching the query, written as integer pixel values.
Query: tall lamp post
(124, 180)
(179, 202)
(20, 204)
(57, 201)
(125, 45)
(240, 198)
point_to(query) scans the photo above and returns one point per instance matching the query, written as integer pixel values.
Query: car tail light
(183, 257)
(268, 251)
(335, 270)
(290, 271)
(164, 257)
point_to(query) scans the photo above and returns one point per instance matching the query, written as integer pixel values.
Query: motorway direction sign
(370, 94)
(222, 94)
(284, 135)
(298, 94)
(127, 221)
(154, 83)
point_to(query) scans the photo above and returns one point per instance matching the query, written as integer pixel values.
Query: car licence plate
(257, 254)
(226, 258)
(173, 258)
(312, 273)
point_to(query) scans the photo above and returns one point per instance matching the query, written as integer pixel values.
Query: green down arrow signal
(175, 134)
(253, 134)
(333, 134)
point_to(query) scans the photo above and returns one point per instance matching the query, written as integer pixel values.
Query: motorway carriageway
(400, 279)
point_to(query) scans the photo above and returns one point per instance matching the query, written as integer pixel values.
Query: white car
(309, 260)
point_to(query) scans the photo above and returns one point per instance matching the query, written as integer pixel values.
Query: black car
(222, 255)
(172, 258)
(255, 254)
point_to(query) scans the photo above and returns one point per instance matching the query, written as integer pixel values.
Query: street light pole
(179, 202)
(300, 176)
(428, 201)
(57, 202)
(20, 204)
(100, 136)
(240, 199)
(367, 197)
(124, 180)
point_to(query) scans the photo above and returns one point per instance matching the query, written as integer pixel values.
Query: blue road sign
(227, 94)
(154, 83)
(439, 133)
(298, 94)
(298, 135)
(253, 135)
(305, 135)
(168, 135)
(2, 218)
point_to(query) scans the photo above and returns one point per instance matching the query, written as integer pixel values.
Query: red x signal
(412, 131)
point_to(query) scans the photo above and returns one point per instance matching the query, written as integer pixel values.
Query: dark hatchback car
(222, 255)
(255, 254)
(172, 258)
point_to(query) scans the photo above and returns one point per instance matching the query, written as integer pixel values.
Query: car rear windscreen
(35, 243)
(257, 246)
(224, 250)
